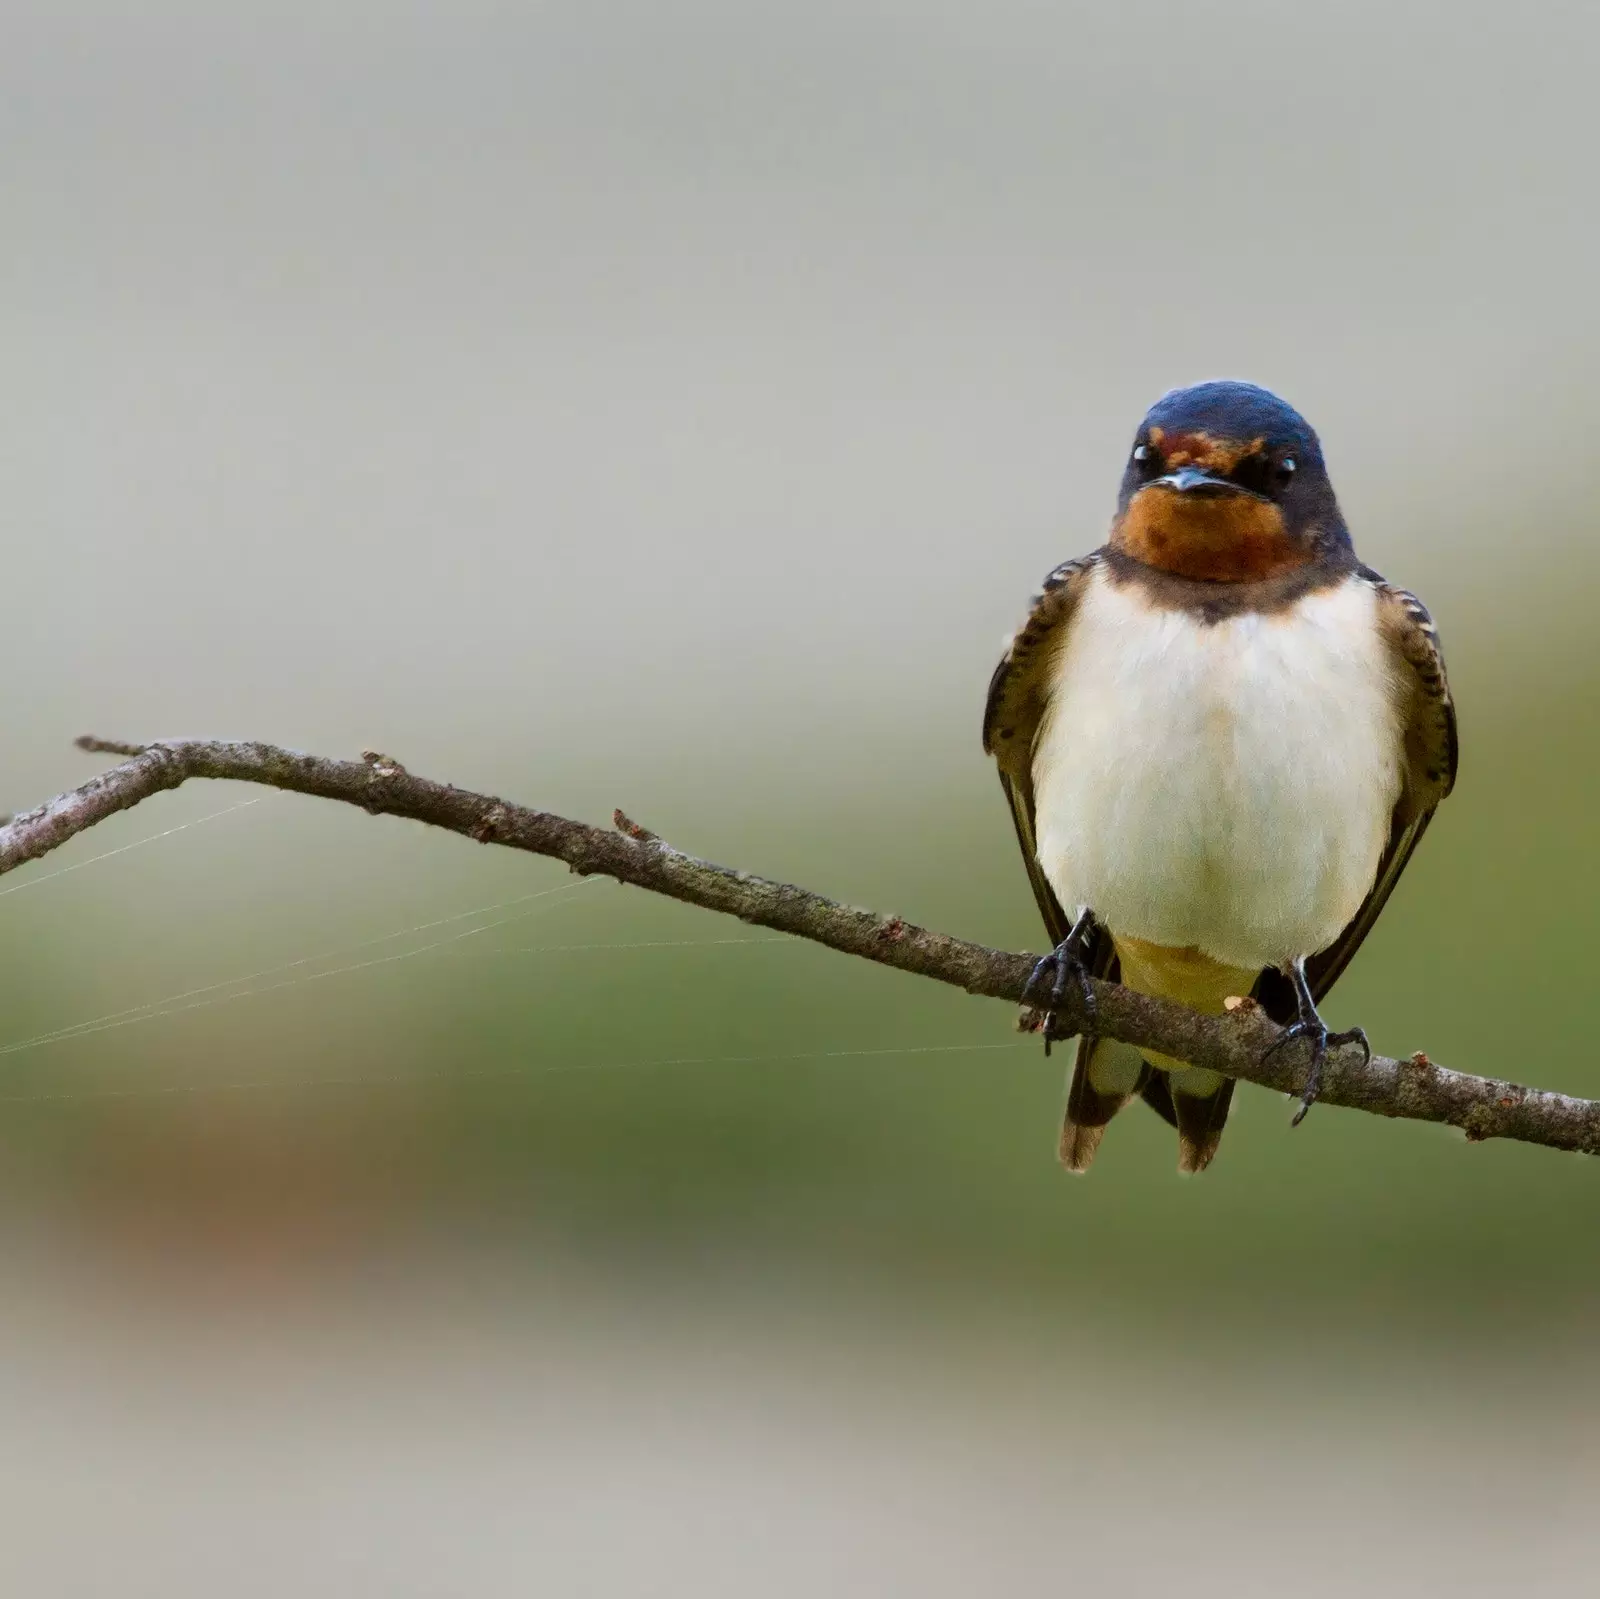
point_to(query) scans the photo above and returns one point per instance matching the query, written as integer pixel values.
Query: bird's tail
(1200, 1116)
(1107, 1074)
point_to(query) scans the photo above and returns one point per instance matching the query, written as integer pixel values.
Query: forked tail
(1106, 1074)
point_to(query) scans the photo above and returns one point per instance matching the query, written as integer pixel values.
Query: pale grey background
(672, 404)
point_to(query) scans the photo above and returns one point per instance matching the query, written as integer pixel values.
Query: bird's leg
(1308, 1024)
(1064, 964)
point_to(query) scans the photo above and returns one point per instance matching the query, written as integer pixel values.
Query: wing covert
(1015, 706)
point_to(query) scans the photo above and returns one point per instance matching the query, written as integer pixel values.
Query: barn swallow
(1221, 737)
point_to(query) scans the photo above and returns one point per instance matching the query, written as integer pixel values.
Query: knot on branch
(487, 829)
(383, 766)
(626, 824)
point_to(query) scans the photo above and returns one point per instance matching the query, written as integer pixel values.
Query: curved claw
(1322, 1041)
(1064, 964)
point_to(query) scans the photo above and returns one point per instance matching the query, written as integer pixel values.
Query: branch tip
(108, 746)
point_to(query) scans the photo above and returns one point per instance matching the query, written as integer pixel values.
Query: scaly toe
(1070, 968)
(1320, 1039)
(1062, 966)
(1046, 964)
(1091, 1012)
(1352, 1035)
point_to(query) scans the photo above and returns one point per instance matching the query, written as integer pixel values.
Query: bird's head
(1226, 483)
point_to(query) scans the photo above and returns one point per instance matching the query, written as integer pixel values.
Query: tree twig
(1235, 1044)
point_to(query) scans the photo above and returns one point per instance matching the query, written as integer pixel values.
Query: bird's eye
(1285, 470)
(1144, 455)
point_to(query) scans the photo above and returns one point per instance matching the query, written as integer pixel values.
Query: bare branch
(1235, 1044)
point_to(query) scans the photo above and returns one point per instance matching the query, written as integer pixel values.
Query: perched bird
(1221, 737)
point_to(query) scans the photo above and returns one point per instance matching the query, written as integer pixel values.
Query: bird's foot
(1322, 1041)
(1047, 985)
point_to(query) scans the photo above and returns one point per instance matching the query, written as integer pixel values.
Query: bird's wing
(1427, 769)
(1016, 704)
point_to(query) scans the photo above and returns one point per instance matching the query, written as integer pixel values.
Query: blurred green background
(673, 406)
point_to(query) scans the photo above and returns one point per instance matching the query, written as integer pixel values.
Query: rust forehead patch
(1202, 450)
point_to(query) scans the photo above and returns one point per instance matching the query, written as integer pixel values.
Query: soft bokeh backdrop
(672, 403)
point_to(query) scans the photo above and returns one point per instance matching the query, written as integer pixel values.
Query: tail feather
(1105, 1076)
(1201, 1118)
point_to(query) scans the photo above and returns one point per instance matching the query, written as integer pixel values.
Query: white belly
(1224, 787)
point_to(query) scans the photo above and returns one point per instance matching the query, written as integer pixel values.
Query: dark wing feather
(1428, 771)
(1016, 704)
(1019, 796)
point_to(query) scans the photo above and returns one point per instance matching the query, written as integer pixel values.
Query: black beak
(1203, 485)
